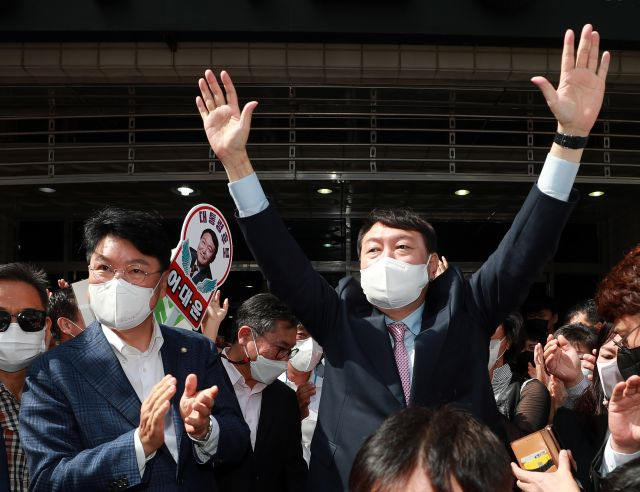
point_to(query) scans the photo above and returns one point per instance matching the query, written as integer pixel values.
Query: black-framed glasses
(29, 320)
(134, 274)
(622, 343)
(282, 354)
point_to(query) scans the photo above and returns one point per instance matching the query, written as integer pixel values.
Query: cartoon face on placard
(201, 262)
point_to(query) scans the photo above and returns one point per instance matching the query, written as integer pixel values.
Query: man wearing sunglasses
(129, 403)
(264, 342)
(24, 327)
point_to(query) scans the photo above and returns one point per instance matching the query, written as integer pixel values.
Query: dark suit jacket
(79, 414)
(276, 464)
(199, 274)
(362, 385)
(585, 436)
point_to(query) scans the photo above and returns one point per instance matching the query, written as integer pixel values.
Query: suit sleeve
(290, 275)
(56, 457)
(502, 282)
(234, 432)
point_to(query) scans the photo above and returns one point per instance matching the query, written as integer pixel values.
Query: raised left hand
(624, 416)
(196, 406)
(578, 99)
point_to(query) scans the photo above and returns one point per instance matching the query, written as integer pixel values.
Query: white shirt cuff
(557, 177)
(612, 459)
(140, 457)
(248, 195)
(205, 450)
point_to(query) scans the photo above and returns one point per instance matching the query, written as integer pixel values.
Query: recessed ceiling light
(47, 189)
(327, 245)
(596, 193)
(461, 192)
(324, 191)
(185, 190)
(249, 286)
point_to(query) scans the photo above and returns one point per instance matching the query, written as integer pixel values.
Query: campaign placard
(200, 264)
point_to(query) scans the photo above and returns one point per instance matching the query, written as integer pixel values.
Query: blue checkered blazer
(79, 413)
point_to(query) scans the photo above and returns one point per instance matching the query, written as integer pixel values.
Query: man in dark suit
(413, 342)
(202, 258)
(265, 334)
(129, 403)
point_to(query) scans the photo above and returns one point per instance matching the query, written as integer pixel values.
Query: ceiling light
(462, 192)
(596, 193)
(185, 190)
(47, 189)
(324, 191)
(327, 245)
(249, 286)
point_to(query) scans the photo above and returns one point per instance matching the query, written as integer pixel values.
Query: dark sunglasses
(30, 320)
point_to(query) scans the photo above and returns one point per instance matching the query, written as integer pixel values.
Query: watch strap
(570, 141)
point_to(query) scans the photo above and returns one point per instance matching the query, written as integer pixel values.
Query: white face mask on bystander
(119, 304)
(18, 348)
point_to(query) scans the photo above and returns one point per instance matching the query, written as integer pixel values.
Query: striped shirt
(16, 460)
(501, 379)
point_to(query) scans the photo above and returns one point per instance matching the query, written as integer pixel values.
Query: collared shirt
(16, 460)
(144, 370)
(414, 324)
(249, 399)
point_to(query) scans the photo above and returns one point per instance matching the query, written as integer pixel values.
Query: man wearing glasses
(24, 330)
(264, 341)
(129, 403)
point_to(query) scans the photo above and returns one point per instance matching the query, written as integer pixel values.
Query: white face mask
(18, 348)
(308, 356)
(391, 284)
(119, 304)
(609, 376)
(494, 352)
(265, 370)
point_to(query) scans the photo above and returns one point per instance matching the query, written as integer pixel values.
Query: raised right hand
(563, 361)
(304, 393)
(152, 412)
(226, 127)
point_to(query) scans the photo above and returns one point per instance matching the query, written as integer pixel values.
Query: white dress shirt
(308, 424)
(144, 370)
(249, 399)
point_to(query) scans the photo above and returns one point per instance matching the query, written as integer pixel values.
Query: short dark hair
(445, 443)
(261, 312)
(619, 292)
(144, 230)
(513, 327)
(580, 334)
(400, 218)
(62, 304)
(214, 238)
(588, 308)
(29, 274)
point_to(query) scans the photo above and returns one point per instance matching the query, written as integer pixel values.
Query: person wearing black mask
(618, 364)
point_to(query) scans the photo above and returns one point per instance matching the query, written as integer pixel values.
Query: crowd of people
(411, 377)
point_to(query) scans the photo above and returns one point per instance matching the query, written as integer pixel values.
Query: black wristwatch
(570, 141)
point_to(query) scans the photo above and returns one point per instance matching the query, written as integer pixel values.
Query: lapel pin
(183, 350)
